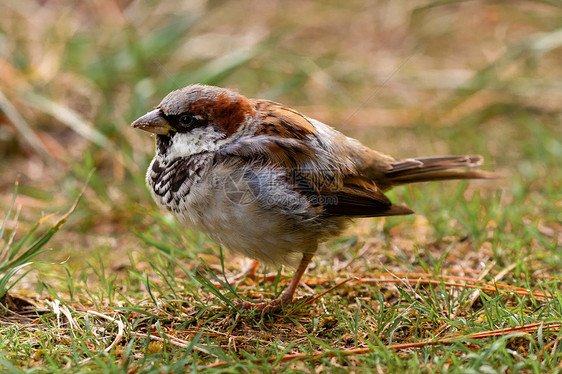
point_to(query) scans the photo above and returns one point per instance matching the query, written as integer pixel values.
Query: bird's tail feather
(425, 169)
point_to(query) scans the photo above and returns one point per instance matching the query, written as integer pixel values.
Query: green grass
(124, 288)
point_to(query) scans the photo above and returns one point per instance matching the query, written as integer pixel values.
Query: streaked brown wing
(282, 138)
(278, 120)
(361, 198)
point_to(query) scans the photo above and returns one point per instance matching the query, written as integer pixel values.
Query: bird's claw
(272, 307)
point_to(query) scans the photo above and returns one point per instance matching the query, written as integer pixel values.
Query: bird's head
(193, 119)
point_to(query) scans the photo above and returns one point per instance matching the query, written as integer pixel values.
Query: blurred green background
(406, 78)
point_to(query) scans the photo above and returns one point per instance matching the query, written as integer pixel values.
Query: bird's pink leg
(288, 294)
(248, 273)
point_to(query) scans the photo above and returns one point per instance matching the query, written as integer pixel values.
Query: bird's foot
(272, 307)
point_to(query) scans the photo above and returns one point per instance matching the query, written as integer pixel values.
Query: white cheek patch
(202, 139)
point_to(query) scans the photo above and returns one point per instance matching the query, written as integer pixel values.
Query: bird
(270, 183)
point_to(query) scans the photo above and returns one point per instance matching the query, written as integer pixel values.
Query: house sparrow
(269, 182)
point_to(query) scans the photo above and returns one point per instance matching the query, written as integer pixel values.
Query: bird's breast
(172, 181)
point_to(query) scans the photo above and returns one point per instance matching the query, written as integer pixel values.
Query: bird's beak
(153, 122)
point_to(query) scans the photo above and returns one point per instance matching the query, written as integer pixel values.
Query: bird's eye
(185, 120)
